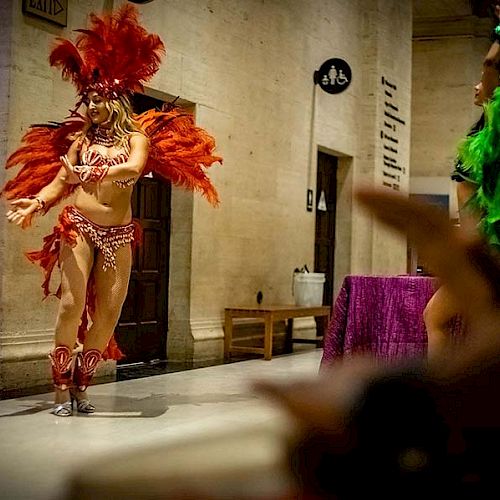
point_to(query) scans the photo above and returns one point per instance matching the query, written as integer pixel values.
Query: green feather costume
(479, 156)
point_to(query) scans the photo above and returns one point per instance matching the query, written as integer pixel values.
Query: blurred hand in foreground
(405, 431)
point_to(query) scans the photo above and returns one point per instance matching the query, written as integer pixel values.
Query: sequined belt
(106, 238)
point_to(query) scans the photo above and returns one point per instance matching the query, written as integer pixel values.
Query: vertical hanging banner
(392, 169)
(54, 11)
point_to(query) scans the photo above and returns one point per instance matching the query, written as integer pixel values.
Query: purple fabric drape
(380, 315)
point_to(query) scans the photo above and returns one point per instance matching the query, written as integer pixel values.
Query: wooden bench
(270, 314)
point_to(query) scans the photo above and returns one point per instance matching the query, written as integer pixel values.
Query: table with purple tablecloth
(381, 315)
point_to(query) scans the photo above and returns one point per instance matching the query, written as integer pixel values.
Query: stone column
(384, 119)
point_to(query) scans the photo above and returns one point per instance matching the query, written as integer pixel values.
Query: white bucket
(308, 288)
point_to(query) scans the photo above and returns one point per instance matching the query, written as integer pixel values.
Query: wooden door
(326, 204)
(142, 328)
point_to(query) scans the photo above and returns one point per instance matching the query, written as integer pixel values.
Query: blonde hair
(122, 122)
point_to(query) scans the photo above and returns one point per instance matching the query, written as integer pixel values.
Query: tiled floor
(39, 451)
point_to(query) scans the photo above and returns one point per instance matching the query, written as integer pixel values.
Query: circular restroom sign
(334, 76)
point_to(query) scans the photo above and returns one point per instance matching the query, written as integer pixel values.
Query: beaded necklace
(101, 136)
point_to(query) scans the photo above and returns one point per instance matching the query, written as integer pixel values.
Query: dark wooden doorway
(326, 206)
(142, 328)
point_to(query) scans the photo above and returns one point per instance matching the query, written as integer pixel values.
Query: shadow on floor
(113, 406)
(117, 406)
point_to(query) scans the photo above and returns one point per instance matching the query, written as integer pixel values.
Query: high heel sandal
(82, 405)
(85, 367)
(63, 409)
(61, 359)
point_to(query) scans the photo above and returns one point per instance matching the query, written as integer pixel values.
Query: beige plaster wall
(362, 246)
(5, 65)
(387, 58)
(248, 65)
(263, 108)
(445, 70)
(395, 65)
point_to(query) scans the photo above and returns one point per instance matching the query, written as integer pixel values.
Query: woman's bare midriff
(105, 203)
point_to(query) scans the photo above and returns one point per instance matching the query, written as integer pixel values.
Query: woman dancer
(441, 308)
(477, 175)
(109, 149)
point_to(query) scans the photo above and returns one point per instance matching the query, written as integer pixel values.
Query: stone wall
(447, 63)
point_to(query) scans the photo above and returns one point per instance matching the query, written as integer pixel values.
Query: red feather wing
(39, 159)
(180, 151)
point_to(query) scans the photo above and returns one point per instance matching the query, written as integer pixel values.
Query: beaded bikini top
(93, 157)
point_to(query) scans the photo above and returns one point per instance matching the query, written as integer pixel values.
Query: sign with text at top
(55, 11)
(334, 76)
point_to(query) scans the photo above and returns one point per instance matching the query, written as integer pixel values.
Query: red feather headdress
(114, 56)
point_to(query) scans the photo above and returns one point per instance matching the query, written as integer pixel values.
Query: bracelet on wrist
(40, 202)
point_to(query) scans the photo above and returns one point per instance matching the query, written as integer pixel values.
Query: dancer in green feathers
(480, 163)
(478, 192)
(441, 308)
